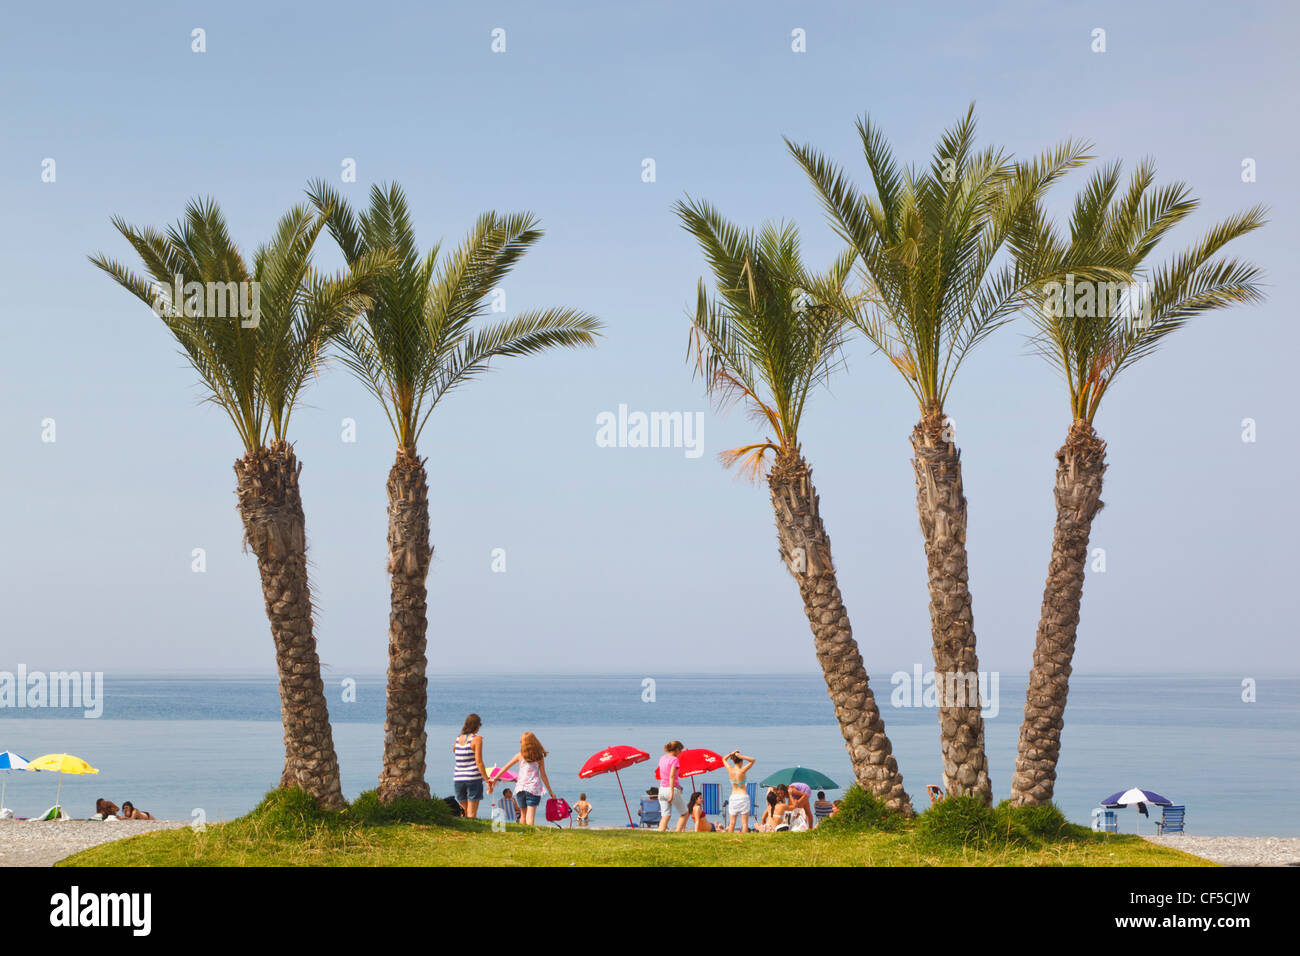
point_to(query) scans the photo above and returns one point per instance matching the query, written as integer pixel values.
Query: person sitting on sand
(129, 812)
(822, 808)
(767, 824)
(106, 808)
(695, 810)
(583, 809)
(738, 803)
(799, 801)
(835, 807)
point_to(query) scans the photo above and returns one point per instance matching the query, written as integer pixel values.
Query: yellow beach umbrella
(63, 763)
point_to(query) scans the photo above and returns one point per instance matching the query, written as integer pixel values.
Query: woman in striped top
(467, 749)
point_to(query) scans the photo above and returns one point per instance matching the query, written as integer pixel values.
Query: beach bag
(557, 809)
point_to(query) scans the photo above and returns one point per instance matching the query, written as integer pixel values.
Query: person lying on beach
(583, 809)
(695, 810)
(738, 804)
(106, 808)
(129, 812)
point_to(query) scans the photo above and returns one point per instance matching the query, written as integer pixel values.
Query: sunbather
(129, 812)
(695, 810)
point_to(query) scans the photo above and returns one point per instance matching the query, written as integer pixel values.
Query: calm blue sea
(177, 745)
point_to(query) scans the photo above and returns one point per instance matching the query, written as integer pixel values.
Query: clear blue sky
(637, 560)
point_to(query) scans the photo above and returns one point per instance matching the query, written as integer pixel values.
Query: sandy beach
(42, 843)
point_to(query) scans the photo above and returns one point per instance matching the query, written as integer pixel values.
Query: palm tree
(418, 342)
(765, 340)
(928, 241)
(1091, 331)
(254, 364)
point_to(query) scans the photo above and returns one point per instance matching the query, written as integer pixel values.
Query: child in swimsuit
(583, 809)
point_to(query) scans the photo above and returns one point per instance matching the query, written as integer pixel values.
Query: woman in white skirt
(738, 806)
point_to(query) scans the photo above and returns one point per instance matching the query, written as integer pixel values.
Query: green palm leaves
(929, 240)
(1105, 308)
(773, 328)
(254, 358)
(419, 339)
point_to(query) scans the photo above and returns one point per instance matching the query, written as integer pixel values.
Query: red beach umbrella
(694, 762)
(614, 759)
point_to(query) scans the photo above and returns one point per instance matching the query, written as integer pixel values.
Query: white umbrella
(1135, 797)
(9, 761)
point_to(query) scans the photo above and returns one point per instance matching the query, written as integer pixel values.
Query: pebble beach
(44, 843)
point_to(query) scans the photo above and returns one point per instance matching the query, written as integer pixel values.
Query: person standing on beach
(670, 790)
(738, 805)
(467, 749)
(532, 782)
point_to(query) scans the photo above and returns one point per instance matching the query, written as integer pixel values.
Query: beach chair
(509, 809)
(1171, 821)
(822, 810)
(649, 813)
(1105, 821)
(712, 799)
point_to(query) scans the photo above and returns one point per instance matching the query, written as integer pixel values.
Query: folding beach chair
(649, 813)
(1171, 821)
(509, 809)
(712, 799)
(1105, 821)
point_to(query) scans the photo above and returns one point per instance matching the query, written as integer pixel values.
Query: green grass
(288, 830)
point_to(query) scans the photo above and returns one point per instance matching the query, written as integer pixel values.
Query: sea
(204, 748)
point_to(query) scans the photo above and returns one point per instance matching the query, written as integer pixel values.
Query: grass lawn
(254, 841)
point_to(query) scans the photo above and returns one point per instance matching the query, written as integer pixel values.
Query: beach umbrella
(9, 761)
(63, 763)
(693, 762)
(1133, 797)
(815, 780)
(612, 760)
(496, 773)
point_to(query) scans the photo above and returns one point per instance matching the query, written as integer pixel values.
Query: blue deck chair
(1105, 821)
(712, 799)
(649, 813)
(1171, 821)
(509, 809)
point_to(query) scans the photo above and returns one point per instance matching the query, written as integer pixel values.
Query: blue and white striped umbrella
(1125, 798)
(10, 761)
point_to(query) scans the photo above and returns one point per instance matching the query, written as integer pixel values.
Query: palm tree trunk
(275, 529)
(1081, 465)
(941, 506)
(409, 553)
(806, 551)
